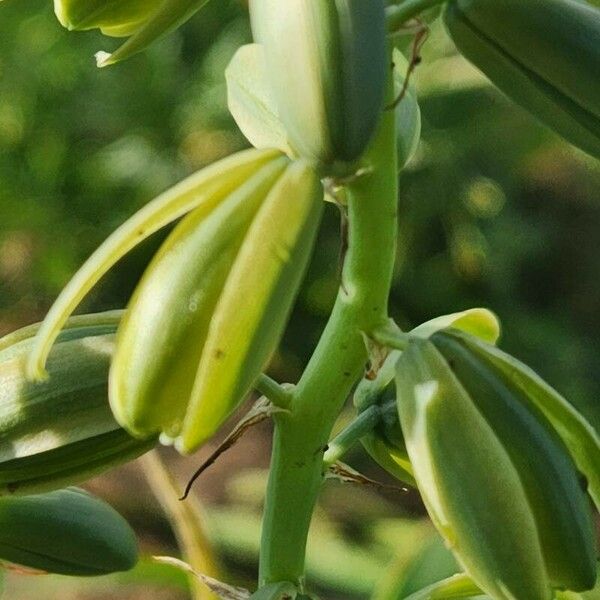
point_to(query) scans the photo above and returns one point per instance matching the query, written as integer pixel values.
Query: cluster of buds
(55, 433)
(503, 463)
(499, 482)
(212, 305)
(497, 456)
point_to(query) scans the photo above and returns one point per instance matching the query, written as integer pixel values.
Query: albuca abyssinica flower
(68, 532)
(385, 443)
(326, 62)
(143, 20)
(496, 455)
(544, 54)
(61, 431)
(211, 307)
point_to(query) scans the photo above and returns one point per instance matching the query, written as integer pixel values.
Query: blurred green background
(496, 211)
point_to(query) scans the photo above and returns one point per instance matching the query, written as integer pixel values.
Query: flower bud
(144, 20)
(327, 65)
(499, 482)
(544, 54)
(256, 301)
(60, 431)
(211, 307)
(162, 335)
(546, 469)
(120, 18)
(68, 532)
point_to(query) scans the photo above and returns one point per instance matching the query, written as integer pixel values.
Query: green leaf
(250, 100)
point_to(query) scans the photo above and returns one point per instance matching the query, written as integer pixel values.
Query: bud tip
(103, 59)
(35, 371)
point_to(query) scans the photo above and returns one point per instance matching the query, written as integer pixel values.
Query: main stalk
(339, 360)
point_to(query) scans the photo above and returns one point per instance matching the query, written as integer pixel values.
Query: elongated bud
(161, 338)
(119, 18)
(60, 431)
(144, 20)
(546, 469)
(327, 65)
(466, 478)
(544, 54)
(478, 439)
(68, 532)
(257, 298)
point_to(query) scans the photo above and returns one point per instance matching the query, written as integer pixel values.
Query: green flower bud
(68, 532)
(60, 431)
(212, 305)
(144, 20)
(113, 17)
(498, 481)
(256, 301)
(544, 54)
(327, 65)
(547, 471)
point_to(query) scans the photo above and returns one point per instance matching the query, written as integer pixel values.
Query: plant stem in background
(187, 519)
(338, 362)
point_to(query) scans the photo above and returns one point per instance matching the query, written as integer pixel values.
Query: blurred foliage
(496, 211)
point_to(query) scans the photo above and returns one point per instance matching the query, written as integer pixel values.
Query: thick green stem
(337, 363)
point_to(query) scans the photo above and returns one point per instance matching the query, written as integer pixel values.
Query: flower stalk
(338, 362)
